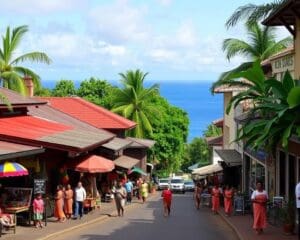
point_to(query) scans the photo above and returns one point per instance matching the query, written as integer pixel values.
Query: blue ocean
(194, 97)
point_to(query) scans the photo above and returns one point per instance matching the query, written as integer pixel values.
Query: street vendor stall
(93, 164)
(14, 200)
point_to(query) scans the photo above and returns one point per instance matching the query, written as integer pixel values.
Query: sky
(170, 39)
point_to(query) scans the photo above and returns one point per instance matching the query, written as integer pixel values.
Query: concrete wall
(229, 134)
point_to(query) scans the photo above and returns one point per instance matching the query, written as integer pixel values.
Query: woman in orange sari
(68, 206)
(228, 195)
(59, 202)
(215, 193)
(259, 199)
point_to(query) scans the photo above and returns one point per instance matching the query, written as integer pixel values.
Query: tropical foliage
(275, 116)
(133, 101)
(252, 13)
(11, 73)
(64, 88)
(261, 45)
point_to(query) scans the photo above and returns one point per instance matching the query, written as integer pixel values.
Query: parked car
(163, 183)
(177, 185)
(189, 185)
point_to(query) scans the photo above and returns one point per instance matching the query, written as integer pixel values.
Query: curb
(225, 219)
(81, 225)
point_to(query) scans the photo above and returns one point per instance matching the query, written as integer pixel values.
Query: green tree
(133, 101)
(64, 88)
(97, 91)
(212, 131)
(11, 74)
(170, 132)
(252, 13)
(197, 152)
(43, 92)
(261, 45)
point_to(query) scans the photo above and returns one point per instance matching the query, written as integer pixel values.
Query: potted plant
(288, 216)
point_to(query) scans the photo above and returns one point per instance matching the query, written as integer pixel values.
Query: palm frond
(33, 57)
(233, 47)
(27, 72)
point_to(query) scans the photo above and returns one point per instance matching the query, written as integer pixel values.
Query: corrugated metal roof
(117, 144)
(36, 131)
(215, 141)
(10, 150)
(230, 157)
(16, 99)
(90, 113)
(126, 162)
(208, 170)
(141, 143)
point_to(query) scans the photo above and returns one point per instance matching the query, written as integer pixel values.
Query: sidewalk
(242, 225)
(55, 228)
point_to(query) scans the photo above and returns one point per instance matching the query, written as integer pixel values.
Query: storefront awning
(12, 150)
(126, 162)
(231, 157)
(207, 170)
(117, 144)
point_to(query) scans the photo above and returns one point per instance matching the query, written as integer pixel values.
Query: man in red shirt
(167, 200)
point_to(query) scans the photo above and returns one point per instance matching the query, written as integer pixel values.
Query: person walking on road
(68, 206)
(259, 199)
(129, 190)
(228, 195)
(167, 201)
(197, 195)
(297, 192)
(59, 203)
(120, 196)
(144, 191)
(215, 193)
(80, 196)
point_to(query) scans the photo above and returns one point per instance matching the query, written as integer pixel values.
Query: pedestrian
(297, 192)
(228, 195)
(144, 191)
(59, 202)
(215, 193)
(129, 190)
(38, 210)
(68, 207)
(138, 184)
(80, 196)
(197, 194)
(259, 199)
(167, 201)
(120, 196)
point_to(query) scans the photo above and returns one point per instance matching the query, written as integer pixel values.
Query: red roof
(42, 132)
(90, 113)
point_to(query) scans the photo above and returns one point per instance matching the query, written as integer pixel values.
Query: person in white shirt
(80, 196)
(297, 192)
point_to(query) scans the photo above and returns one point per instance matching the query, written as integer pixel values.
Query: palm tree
(11, 74)
(275, 115)
(133, 101)
(252, 13)
(261, 45)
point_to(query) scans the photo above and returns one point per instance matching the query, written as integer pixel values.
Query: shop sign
(238, 205)
(283, 64)
(39, 186)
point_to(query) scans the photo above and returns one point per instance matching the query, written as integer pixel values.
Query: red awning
(95, 164)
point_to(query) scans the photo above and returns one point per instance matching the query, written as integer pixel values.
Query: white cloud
(163, 55)
(164, 2)
(40, 6)
(118, 22)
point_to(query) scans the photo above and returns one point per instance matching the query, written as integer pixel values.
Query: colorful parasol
(137, 170)
(12, 169)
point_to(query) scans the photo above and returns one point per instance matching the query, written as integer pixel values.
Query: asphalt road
(146, 222)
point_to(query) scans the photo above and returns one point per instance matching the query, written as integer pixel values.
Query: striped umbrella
(12, 169)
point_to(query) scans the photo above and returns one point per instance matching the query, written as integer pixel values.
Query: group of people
(259, 200)
(65, 201)
(123, 192)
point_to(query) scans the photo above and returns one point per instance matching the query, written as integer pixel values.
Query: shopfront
(254, 169)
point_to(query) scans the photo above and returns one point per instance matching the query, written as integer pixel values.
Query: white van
(177, 185)
(163, 183)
